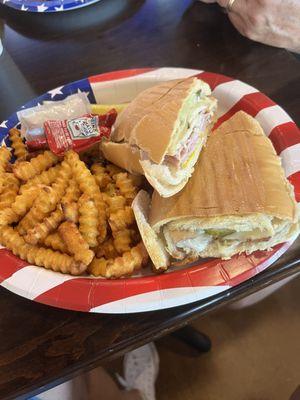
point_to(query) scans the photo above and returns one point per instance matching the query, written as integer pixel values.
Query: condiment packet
(32, 119)
(78, 133)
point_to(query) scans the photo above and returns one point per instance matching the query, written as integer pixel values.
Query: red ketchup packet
(39, 143)
(78, 133)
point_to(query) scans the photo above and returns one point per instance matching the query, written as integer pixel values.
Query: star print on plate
(42, 8)
(55, 92)
(48, 6)
(3, 124)
(85, 91)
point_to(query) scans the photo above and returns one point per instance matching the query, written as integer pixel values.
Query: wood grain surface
(42, 346)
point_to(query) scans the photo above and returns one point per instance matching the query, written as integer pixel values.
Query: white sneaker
(140, 371)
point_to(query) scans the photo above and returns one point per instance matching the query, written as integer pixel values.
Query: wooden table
(42, 346)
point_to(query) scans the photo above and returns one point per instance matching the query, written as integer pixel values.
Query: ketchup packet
(37, 143)
(78, 133)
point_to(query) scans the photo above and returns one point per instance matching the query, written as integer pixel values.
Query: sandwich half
(161, 133)
(238, 199)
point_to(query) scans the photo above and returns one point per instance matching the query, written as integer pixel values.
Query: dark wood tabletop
(42, 346)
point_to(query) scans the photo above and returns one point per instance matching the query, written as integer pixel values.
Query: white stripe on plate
(31, 281)
(159, 299)
(291, 159)
(167, 74)
(229, 93)
(125, 89)
(271, 117)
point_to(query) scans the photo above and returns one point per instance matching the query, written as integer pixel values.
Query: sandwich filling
(192, 128)
(224, 237)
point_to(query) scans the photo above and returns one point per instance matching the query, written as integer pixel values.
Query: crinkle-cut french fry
(75, 242)
(102, 219)
(122, 241)
(121, 219)
(114, 203)
(8, 216)
(40, 256)
(54, 240)
(88, 185)
(72, 191)
(10, 190)
(69, 202)
(120, 266)
(101, 175)
(11, 180)
(5, 156)
(47, 200)
(82, 174)
(24, 201)
(25, 170)
(111, 190)
(71, 212)
(113, 169)
(88, 220)
(20, 150)
(34, 216)
(125, 184)
(41, 230)
(107, 249)
(45, 178)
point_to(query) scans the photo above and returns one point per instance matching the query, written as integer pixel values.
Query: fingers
(237, 7)
(238, 22)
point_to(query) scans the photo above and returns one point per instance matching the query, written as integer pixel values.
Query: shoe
(141, 368)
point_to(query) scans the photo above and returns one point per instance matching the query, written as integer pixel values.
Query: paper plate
(176, 287)
(47, 5)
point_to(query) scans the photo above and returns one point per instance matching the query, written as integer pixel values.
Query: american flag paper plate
(47, 6)
(176, 287)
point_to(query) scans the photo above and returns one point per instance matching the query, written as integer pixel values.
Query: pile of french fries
(59, 214)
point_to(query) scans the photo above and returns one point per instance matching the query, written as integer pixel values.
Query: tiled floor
(255, 354)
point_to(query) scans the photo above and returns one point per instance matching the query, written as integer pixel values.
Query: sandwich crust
(238, 173)
(153, 243)
(149, 120)
(123, 155)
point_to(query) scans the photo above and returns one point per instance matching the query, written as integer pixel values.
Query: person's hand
(273, 22)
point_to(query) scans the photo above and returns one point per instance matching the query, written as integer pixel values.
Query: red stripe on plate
(284, 136)
(213, 79)
(246, 267)
(83, 294)
(73, 294)
(250, 103)
(9, 264)
(295, 181)
(112, 76)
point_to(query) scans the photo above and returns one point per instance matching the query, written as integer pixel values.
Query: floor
(255, 354)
